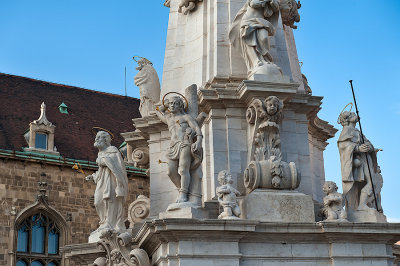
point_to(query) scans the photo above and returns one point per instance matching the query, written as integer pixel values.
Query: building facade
(46, 150)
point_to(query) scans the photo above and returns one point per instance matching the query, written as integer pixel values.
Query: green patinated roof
(63, 108)
(59, 159)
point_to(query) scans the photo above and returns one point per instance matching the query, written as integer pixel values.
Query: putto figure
(185, 153)
(249, 33)
(333, 207)
(227, 196)
(357, 187)
(111, 185)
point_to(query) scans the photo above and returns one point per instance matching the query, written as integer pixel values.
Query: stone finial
(149, 86)
(43, 119)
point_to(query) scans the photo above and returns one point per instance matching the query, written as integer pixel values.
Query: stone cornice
(155, 232)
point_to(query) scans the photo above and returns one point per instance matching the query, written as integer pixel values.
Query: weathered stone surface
(251, 243)
(366, 216)
(278, 206)
(185, 212)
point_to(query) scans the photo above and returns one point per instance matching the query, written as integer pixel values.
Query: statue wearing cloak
(249, 33)
(357, 187)
(111, 185)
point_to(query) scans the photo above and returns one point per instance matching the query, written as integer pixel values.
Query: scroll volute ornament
(138, 210)
(266, 168)
(120, 251)
(140, 157)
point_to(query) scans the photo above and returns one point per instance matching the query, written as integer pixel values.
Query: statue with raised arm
(111, 186)
(149, 86)
(185, 153)
(250, 32)
(354, 154)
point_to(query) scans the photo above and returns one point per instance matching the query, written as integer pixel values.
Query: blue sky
(88, 44)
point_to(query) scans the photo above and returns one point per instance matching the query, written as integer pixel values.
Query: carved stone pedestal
(366, 216)
(251, 243)
(278, 206)
(188, 212)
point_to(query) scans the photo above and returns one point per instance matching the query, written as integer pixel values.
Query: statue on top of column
(149, 86)
(251, 29)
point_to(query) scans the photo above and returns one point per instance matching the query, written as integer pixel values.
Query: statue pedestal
(269, 205)
(188, 212)
(252, 243)
(366, 216)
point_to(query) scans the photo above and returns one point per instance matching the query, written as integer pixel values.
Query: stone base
(251, 243)
(366, 216)
(268, 205)
(188, 212)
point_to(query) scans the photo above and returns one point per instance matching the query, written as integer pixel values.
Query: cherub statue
(249, 33)
(185, 152)
(333, 207)
(227, 196)
(149, 86)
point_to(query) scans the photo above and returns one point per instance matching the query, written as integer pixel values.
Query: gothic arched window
(38, 241)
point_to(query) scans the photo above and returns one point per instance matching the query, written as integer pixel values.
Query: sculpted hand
(89, 177)
(364, 148)
(196, 146)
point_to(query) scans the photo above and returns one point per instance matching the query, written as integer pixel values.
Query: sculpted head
(175, 104)
(225, 177)
(103, 140)
(273, 105)
(143, 62)
(346, 117)
(329, 187)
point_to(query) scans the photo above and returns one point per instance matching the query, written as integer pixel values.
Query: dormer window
(63, 108)
(41, 135)
(41, 141)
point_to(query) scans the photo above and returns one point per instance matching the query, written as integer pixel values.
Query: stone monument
(258, 151)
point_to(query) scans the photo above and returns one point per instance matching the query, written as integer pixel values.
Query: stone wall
(68, 192)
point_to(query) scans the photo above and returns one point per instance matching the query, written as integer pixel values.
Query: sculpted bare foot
(182, 197)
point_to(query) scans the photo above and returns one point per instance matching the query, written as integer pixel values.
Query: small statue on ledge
(227, 197)
(333, 207)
